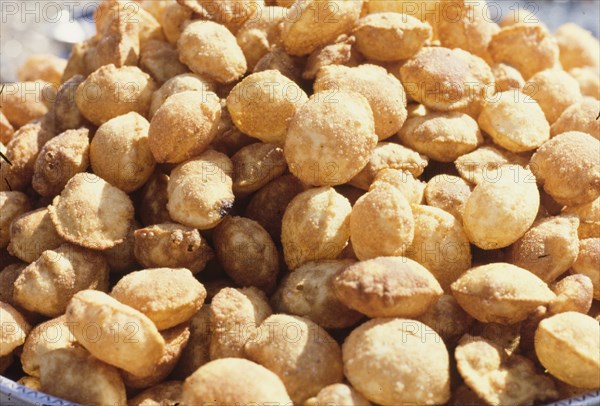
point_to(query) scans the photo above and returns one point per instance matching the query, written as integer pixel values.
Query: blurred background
(51, 26)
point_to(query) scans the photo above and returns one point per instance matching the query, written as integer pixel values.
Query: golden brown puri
(566, 345)
(567, 167)
(315, 226)
(408, 361)
(92, 213)
(171, 245)
(319, 149)
(75, 374)
(382, 90)
(48, 68)
(145, 346)
(16, 330)
(210, 49)
(47, 285)
(167, 296)
(580, 117)
(23, 102)
(13, 204)
(263, 104)
(247, 253)
(588, 262)
(574, 293)
(491, 374)
(234, 381)
(301, 353)
(318, 23)
(517, 293)
(309, 292)
(31, 234)
(103, 96)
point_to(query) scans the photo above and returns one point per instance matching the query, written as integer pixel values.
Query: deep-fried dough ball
(256, 165)
(8, 276)
(176, 339)
(315, 226)
(111, 92)
(161, 60)
(390, 36)
(404, 181)
(308, 292)
(14, 329)
(588, 79)
(6, 129)
(178, 84)
(277, 59)
(506, 77)
(446, 79)
(64, 113)
(200, 190)
(381, 223)
(580, 116)
(554, 90)
(235, 315)
(263, 104)
(441, 136)
(320, 149)
(486, 163)
(549, 248)
(60, 159)
(341, 52)
(499, 211)
(589, 218)
(167, 296)
(567, 167)
(184, 126)
(449, 193)
(567, 346)
(514, 121)
(260, 33)
(304, 356)
(310, 24)
(382, 90)
(466, 25)
(500, 293)
(117, 39)
(31, 234)
(573, 293)
(23, 102)
(440, 244)
(74, 374)
(578, 47)
(528, 48)
(234, 381)
(47, 285)
(171, 245)
(45, 337)
(22, 151)
(247, 253)
(447, 318)
(230, 13)
(397, 361)
(145, 346)
(92, 213)
(152, 207)
(387, 287)
(173, 19)
(120, 154)
(389, 155)
(268, 204)
(48, 68)
(12, 204)
(210, 49)
(588, 262)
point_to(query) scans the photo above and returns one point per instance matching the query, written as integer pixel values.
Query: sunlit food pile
(320, 202)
